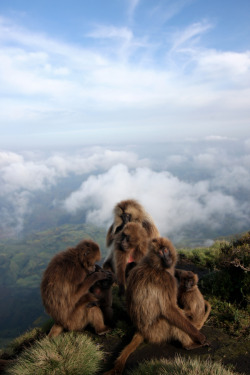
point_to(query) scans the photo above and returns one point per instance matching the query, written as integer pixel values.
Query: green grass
(229, 317)
(203, 256)
(181, 366)
(68, 354)
(24, 341)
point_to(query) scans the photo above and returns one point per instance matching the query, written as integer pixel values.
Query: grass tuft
(24, 341)
(181, 366)
(68, 354)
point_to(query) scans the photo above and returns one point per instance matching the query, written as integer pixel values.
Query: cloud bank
(172, 202)
(210, 190)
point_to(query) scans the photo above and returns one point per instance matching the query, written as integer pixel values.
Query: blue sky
(80, 72)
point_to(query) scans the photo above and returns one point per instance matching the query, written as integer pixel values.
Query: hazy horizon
(202, 187)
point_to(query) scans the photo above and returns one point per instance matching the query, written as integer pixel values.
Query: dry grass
(68, 354)
(181, 366)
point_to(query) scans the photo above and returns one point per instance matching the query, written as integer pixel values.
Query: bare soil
(223, 348)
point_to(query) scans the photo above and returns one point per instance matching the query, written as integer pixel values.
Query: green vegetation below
(23, 261)
(224, 279)
(229, 266)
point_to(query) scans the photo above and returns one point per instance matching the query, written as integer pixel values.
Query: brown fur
(190, 298)
(65, 289)
(102, 290)
(128, 211)
(152, 303)
(128, 269)
(130, 244)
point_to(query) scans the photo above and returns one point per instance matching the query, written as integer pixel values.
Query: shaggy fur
(152, 303)
(130, 245)
(128, 211)
(65, 289)
(102, 290)
(190, 298)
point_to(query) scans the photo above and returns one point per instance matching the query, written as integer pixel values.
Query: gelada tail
(121, 360)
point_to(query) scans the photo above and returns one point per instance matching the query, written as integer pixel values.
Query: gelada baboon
(130, 245)
(102, 290)
(65, 289)
(190, 299)
(128, 211)
(152, 303)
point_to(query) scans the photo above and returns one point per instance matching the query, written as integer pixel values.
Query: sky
(123, 71)
(144, 99)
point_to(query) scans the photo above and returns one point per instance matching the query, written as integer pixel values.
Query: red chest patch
(97, 291)
(130, 259)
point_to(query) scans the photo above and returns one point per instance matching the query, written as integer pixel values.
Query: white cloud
(22, 177)
(190, 35)
(172, 203)
(28, 175)
(12, 218)
(111, 32)
(20, 173)
(219, 138)
(164, 11)
(233, 179)
(234, 65)
(7, 158)
(109, 176)
(50, 83)
(132, 4)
